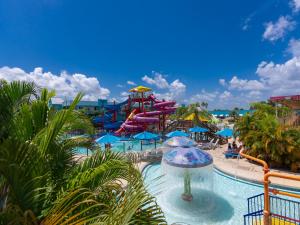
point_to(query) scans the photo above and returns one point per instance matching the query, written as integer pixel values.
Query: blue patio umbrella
(146, 136)
(177, 133)
(180, 142)
(198, 129)
(107, 139)
(227, 132)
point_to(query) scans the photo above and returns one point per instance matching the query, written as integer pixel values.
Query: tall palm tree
(42, 183)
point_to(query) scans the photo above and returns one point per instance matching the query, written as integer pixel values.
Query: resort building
(89, 107)
(293, 102)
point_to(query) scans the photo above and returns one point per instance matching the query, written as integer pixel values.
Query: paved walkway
(242, 168)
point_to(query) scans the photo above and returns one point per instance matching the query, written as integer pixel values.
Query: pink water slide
(136, 122)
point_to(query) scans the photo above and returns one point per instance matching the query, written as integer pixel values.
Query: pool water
(123, 146)
(225, 204)
(134, 145)
(83, 151)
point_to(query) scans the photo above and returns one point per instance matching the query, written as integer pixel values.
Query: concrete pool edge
(254, 182)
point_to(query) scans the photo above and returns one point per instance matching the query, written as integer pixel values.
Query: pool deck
(242, 168)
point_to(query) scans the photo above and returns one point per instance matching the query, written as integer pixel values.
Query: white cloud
(294, 47)
(158, 80)
(273, 80)
(204, 96)
(131, 82)
(124, 94)
(281, 78)
(222, 82)
(225, 100)
(177, 86)
(295, 5)
(174, 90)
(244, 84)
(277, 30)
(119, 85)
(247, 22)
(225, 95)
(65, 85)
(255, 94)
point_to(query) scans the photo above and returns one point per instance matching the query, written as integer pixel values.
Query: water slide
(137, 121)
(107, 118)
(129, 124)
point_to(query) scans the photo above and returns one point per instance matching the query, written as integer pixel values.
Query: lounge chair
(203, 145)
(216, 144)
(211, 146)
(231, 154)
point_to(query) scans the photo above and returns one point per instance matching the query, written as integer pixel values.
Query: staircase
(171, 126)
(282, 211)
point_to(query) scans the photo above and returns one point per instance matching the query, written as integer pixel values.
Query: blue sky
(228, 53)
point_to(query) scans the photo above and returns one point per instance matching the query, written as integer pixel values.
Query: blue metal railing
(255, 203)
(254, 218)
(284, 210)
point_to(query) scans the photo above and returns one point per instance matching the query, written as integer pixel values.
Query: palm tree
(204, 105)
(42, 183)
(234, 114)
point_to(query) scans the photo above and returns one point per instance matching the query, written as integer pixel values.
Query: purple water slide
(129, 127)
(146, 117)
(165, 104)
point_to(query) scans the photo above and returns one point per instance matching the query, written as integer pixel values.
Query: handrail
(267, 175)
(262, 162)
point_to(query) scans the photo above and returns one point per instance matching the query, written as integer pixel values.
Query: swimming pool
(123, 146)
(229, 199)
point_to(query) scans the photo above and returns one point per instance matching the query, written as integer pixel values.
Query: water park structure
(145, 112)
(111, 117)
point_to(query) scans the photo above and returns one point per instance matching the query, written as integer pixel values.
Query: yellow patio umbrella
(140, 89)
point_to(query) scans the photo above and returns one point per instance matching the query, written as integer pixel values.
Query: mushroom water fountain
(186, 191)
(189, 164)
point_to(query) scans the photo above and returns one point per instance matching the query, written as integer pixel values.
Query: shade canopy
(198, 129)
(187, 157)
(177, 133)
(180, 142)
(227, 132)
(140, 89)
(107, 139)
(193, 116)
(146, 136)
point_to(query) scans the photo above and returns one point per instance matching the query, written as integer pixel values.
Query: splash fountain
(187, 190)
(190, 165)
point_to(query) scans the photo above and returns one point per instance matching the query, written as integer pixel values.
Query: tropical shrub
(41, 182)
(266, 138)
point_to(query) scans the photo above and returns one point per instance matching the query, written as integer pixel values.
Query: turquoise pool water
(225, 204)
(124, 146)
(82, 151)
